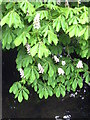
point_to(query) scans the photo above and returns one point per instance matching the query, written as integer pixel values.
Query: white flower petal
(56, 59)
(79, 64)
(41, 70)
(63, 63)
(36, 23)
(60, 71)
(21, 73)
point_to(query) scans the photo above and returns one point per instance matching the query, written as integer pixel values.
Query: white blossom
(80, 64)
(58, 2)
(79, 1)
(60, 71)
(36, 22)
(56, 59)
(21, 73)
(27, 13)
(28, 48)
(63, 63)
(41, 70)
(66, 3)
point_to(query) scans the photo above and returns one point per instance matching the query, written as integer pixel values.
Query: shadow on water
(77, 105)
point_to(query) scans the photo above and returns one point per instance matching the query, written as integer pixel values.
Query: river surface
(73, 105)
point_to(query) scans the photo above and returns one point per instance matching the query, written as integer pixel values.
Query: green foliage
(46, 36)
(19, 91)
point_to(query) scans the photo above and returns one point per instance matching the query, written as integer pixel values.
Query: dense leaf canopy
(46, 35)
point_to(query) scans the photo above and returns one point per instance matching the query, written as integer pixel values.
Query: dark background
(78, 107)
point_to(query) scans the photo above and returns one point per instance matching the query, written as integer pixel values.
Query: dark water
(76, 106)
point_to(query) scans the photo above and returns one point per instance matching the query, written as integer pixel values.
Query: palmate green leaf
(32, 76)
(7, 37)
(18, 40)
(27, 60)
(19, 85)
(51, 81)
(50, 91)
(86, 34)
(87, 79)
(9, 5)
(45, 67)
(77, 30)
(23, 81)
(41, 94)
(21, 39)
(43, 51)
(81, 32)
(57, 24)
(35, 88)
(21, 93)
(68, 71)
(84, 18)
(5, 19)
(74, 85)
(84, 53)
(36, 73)
(23, 59)
(12, 18)
(64, 23)
(25, 95)
(25, 89)
(75, 21)
(41, 90)
(67, 83)
(80, 82)
(14, 88)
(45, 93)
(20, 97)
(52, 37)
(27, 72)
(62, 91)
(70, 28)
(72, 32)
(45, 31)
(34, 50)
(16, 95)
(26, 5)
(43, 14)
(51, 71)
(58, 92)
(72, 68)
